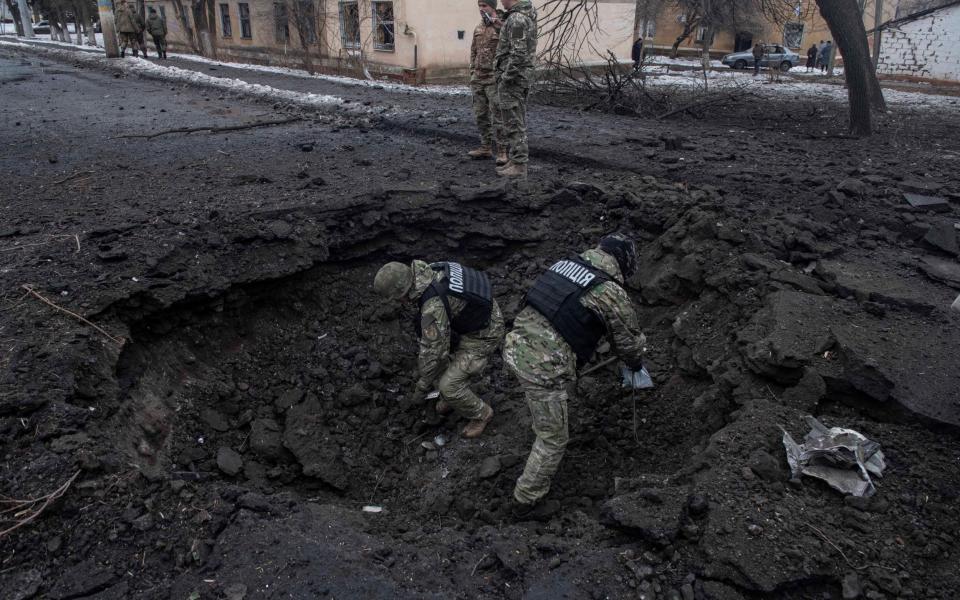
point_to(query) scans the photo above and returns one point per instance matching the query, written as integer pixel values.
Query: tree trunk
(88, 24)
(184, 20)
(675, 50)
(15, 14)
(846, 25)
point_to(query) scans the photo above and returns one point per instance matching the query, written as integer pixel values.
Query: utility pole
(107, 27)
(25, 19)
(877, 34)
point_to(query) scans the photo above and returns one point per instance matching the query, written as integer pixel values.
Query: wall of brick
(928, 47)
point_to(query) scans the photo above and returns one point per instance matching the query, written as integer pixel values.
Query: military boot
(513, 169)
(502, 157)
(481, 152)
(475, 427)
(443, 407)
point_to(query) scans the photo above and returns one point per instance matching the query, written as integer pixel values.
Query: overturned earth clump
(252, 437)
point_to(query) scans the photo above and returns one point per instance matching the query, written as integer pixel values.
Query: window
(650, 31)
(793, 35)
(281, 22)
(383, 26)
(246, 32)
(225, 26)
(702, 33)
(350, 24)
(306, 19)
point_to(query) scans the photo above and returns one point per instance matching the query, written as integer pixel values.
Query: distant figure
(141, 36)
(126, 23)
(824, 57)
(636, 53)
(757, 58)
(157, 27)
(812, 57)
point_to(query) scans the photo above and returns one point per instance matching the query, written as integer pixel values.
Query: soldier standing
(514, 69)
(456, 315)
(126, 22)
(568, 310)
(141, 36)
(483, 82)
(158, 31)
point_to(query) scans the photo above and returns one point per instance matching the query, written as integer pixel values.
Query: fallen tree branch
(32, 292)
(27, 510)
(210, 128)
(74, 176)
(705, 102)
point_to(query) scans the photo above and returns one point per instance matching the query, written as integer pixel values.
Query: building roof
(914, 16)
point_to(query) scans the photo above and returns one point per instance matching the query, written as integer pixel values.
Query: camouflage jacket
(540, 355)
(518, 45)
(156, 25)
(436, 334)
(125, 19)
(483, 51)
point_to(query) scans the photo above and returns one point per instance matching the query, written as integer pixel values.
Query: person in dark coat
(757, 58)
(823, 58)
(157, 28)
(636, 53)
(812, 58)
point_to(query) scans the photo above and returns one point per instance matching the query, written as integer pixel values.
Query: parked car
(773, 56)
(41, 27)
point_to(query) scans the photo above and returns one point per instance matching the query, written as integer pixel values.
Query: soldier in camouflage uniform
(514, 68)
(128, 28)
(483, 82)
(551, 338)
(459, 325)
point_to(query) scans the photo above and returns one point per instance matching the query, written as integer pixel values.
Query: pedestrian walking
(483, 83)
(514, 68)
(757, 58)
(636, 53)
(157, 27)
(812, 58)
(125, 19)
(823, 57)
(569, 309)
(459, 325)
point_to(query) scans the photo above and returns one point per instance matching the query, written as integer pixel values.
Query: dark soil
(227, 446)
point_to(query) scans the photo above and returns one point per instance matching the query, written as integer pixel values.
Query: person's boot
(512, 169)
(136, 53)
(502, 157)
(443, 407)
(475, 427)
(481, 152)
(122, 52)
(539, 511)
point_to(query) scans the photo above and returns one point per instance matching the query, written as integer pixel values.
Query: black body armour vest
(469, 285)
(556, 295)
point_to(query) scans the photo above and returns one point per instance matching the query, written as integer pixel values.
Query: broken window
(246, 31)
(383, 26)
(702, 33)
(281, 22)
(350, 24)
(307, 21)
(226, 28)
(793, 35)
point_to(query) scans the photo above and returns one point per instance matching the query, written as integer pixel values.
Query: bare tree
(183, 18)
(845, 21)
(14, 9)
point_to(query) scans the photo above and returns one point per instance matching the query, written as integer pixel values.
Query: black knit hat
(491, 3)
(623, 249)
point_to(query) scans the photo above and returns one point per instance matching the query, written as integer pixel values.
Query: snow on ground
(139, 66)
(804, 85)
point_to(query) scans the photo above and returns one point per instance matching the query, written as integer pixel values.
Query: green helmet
(623, 249)
(393, 280)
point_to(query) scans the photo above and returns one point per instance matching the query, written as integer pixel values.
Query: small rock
(852, 187)
(229, 460)
(235, 591)
(943, 236)
(851, 587)
(754, 529)
(489, 467)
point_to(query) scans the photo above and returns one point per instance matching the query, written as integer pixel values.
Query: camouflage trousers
(550, 423)
(512, 100)
(487, 112)
(129, 40)
(466, 363)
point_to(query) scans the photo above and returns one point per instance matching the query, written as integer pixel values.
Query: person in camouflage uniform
(445, 361)
(125, 19)
(483, 82)
(545, 361)
(157, 27)
(514, 72)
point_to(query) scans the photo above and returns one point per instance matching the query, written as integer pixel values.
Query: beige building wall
(433, 37)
